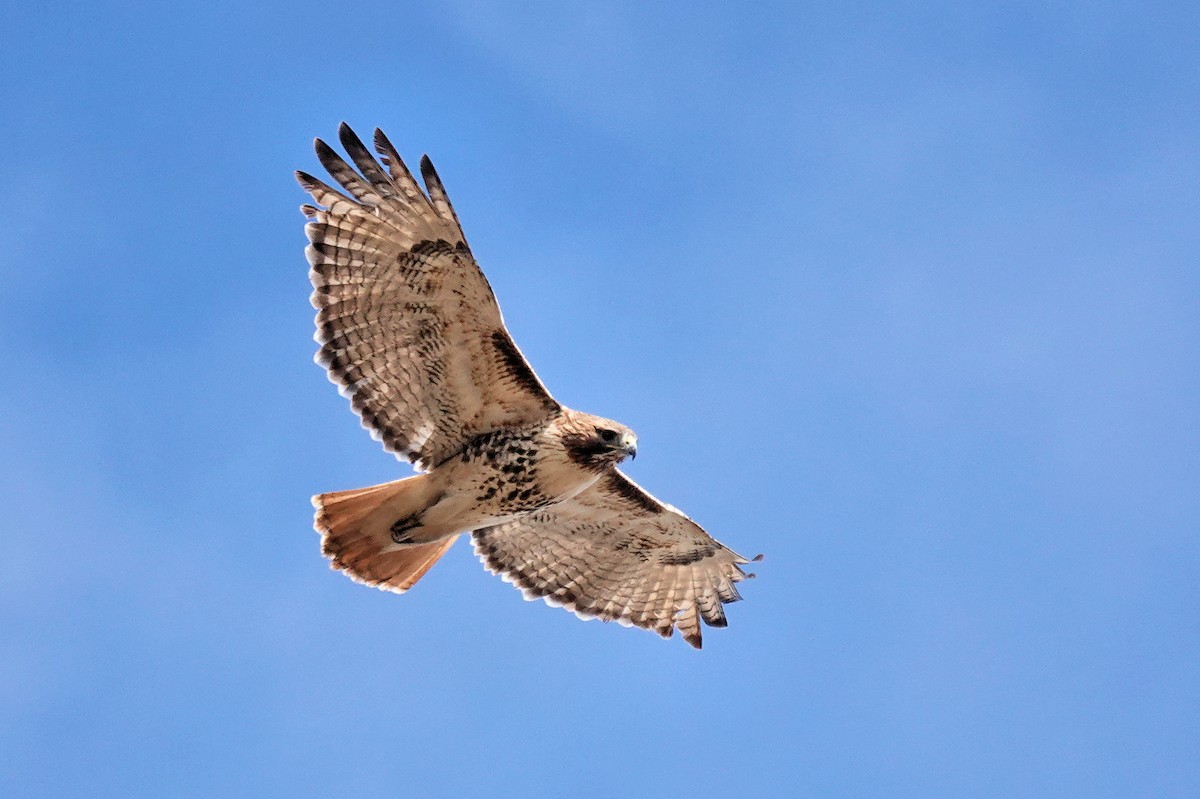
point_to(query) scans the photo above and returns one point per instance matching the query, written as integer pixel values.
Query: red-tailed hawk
(411, 333)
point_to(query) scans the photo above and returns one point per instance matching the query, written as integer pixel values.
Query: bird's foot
(403, 529)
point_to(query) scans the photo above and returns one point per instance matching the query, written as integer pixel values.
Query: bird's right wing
(616, 553)
(408, 326)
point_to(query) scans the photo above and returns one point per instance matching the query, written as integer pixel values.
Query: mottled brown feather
(616, 553)
(406, 320)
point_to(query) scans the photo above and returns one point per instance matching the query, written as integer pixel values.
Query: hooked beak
(629, 443)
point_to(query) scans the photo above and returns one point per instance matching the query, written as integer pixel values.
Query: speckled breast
(505, 474)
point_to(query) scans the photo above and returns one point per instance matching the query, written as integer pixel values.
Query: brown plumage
(411, 333)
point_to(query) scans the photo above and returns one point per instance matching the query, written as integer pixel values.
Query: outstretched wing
(616, 553)
(408, 326)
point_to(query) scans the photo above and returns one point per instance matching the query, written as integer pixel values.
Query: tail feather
(355, 529)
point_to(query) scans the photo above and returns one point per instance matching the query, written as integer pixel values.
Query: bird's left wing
(408, 325)
(618, 554)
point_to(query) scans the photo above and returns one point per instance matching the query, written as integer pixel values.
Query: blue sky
(905, 298)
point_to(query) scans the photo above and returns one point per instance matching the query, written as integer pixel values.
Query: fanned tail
(356, 532)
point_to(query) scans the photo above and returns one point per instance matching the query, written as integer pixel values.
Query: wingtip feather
(382, 143)
(323, 150)
(349, 138)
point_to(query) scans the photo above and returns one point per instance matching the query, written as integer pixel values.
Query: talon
(400, 531)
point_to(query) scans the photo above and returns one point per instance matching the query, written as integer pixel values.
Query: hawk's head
(596, 442)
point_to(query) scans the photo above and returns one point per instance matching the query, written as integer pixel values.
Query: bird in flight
(412, 335)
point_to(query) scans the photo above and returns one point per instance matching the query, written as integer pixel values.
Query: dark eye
(607, 436)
